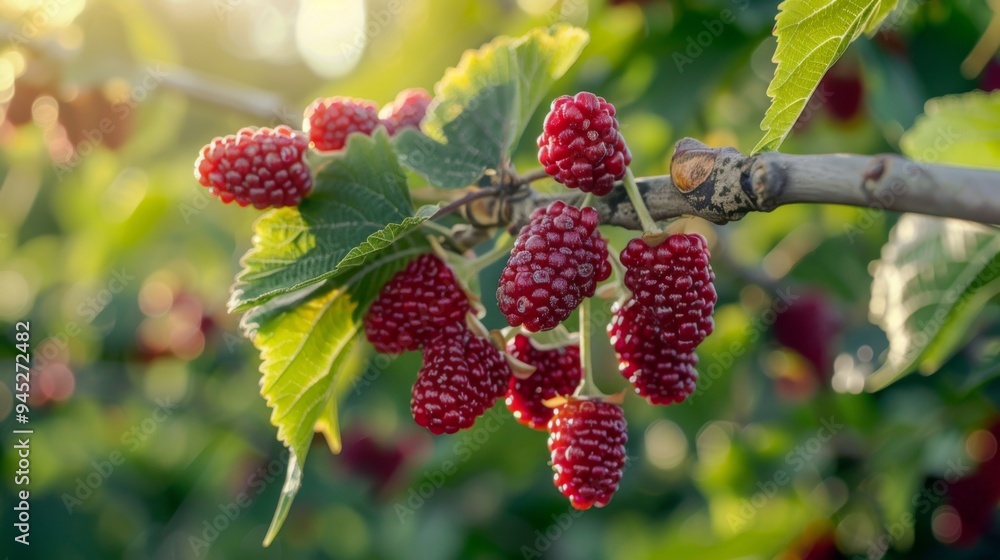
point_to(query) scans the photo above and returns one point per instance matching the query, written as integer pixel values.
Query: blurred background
(151, 441)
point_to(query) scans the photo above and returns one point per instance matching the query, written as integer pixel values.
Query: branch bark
(722, 185)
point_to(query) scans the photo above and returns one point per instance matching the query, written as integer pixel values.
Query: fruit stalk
(632, 189)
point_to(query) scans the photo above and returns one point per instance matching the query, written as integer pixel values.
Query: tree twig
(722, 185)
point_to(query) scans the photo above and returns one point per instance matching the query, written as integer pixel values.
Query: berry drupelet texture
(407, 110)
(416, 305)
(263, 167)
(581, 146)
(557, 373)
(587, 442)
(673, 283)
(648, 356)
(461, 377)
(329, 121)
(557, 260)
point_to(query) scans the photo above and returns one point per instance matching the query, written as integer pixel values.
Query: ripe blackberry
(580, 145)
(416, 305)
(329, 121)
(408, 109)
(557, 373)
(462, 376)
(263, 167)
(648, 356)
(557, 260)
(673, 283)
(587, 442)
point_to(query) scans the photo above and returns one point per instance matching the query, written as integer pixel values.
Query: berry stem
(501, 248)
(647, 221)
(531, 177)
(456, 204)
(587, 387)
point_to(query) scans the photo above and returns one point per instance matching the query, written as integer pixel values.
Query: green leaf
(483, 105)
(934, 276)
(812, 34)
(360, 206)
(957, 129)
(306, 360)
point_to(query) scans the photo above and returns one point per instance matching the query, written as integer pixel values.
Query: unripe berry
(263, 167)
(329, 121)
(407, 110)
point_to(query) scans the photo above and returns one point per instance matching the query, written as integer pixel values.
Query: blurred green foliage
(151, 440)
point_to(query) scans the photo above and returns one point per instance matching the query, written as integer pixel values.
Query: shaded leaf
(932, 276)
(483, 105)
(957, 129)
(306, 357)
(360, 206)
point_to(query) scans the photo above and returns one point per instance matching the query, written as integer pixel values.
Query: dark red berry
(557, 260)
(673, 283)
(557, 373)
(329, 121)
(408, 109)
(415, 306)
(842, 91)
(975, 495)
(809, 325)
(989, 80)
(262, 166)
(587, 442)
(648, 356)
(462, 376)
(580, 145)
(383, 462)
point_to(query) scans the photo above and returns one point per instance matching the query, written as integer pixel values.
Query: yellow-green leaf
(812, 34)
(957, 129)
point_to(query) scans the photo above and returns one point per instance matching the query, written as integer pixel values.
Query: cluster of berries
(266, 167)
(424, 308)
(656, 330)
(557, 261)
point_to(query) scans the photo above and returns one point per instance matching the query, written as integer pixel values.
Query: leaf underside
(359, 206)
(482, 106)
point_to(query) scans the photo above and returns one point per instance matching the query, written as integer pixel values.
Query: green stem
(500, 249)
(588, 200)
(647, 221)
(438, 228)
(588, 388)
